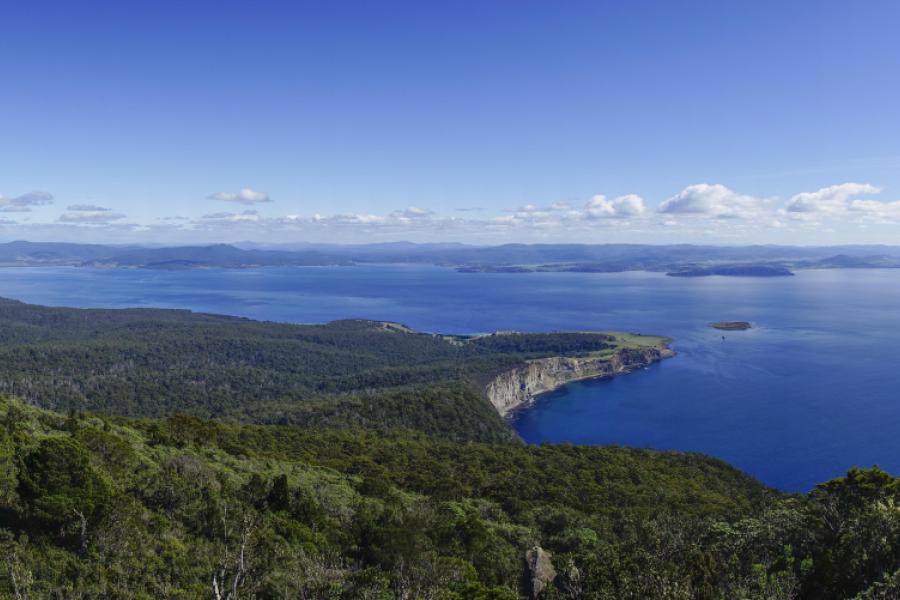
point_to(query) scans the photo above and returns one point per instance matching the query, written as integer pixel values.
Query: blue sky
(724, 122)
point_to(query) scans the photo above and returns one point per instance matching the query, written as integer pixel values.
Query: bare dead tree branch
(83, 530)
(220, 587)
(19, 593)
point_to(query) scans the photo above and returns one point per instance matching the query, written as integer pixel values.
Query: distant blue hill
(681, 259)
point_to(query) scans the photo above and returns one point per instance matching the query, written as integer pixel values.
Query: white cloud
(563, 215)
(714, 200)
(413, 213)
(228, 217)
(599, 207)
(352, 219)
(874, 210)
(87, 208)
(832, 200)
(530, 209)
(702, 212)
(24, 202)
(91, 217)
(242, 196)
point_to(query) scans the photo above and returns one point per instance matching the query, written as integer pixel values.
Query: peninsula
(341, 374)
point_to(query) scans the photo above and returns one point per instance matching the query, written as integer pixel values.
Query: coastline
(517, 388)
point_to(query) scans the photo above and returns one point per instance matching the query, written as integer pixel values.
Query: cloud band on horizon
(706, 211)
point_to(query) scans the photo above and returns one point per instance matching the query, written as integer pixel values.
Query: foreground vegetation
(103, 507)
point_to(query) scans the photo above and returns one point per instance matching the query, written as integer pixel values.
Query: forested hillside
(162, 362)
(103, 507)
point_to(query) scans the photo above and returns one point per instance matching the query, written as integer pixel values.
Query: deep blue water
(812, 390)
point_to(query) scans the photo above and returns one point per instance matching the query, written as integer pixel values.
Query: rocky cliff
(519, 386)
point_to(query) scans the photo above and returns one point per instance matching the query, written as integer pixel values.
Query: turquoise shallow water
(812, 390)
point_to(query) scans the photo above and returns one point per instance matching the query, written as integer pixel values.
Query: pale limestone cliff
(518, 387)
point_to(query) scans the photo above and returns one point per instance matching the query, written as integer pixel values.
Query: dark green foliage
(552, 344)
(346, 373)
(858, 519)
(320, 514)
(58, 485)
(168, 504)
(887, 588)
(8, 470)
(450, 410)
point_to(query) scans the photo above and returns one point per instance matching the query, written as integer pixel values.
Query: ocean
(812, 390)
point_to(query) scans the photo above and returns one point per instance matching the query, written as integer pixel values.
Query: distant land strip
(682, 260)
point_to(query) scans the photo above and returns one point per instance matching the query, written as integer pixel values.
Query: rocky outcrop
(518, 387)
(540, 572)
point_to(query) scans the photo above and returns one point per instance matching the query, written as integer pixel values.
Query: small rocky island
(731, 325)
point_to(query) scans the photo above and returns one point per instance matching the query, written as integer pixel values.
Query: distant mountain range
(680, 259)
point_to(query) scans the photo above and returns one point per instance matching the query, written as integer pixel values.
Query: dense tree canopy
(160, 362)
(110, 507)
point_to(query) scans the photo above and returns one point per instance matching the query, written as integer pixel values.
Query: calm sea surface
(812, 390)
